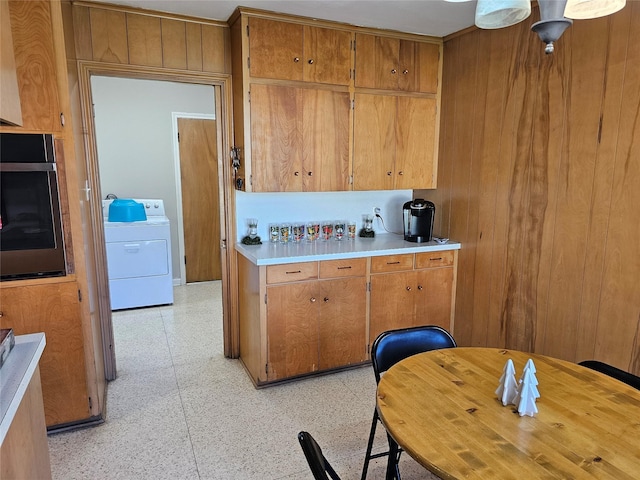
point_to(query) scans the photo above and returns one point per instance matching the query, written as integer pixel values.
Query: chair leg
(372, 435)
(393, 471)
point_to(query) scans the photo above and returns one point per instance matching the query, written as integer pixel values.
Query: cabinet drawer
(352, 267)
(434, 259)
(391, 263)
(292, 272)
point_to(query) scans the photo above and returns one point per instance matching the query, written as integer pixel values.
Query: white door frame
(176, 161)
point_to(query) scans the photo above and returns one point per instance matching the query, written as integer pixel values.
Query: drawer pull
(294, 271)
(393, 263)
(435, 259)
(344, 268)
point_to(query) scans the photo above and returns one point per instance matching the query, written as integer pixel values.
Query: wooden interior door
(200, 198)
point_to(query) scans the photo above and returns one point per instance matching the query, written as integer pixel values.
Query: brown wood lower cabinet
(408, 291)
(52, 308)
(301, 318)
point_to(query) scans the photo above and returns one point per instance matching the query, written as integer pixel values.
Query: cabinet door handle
(326, 299)
(394, 71)
(296, 59)
(1, 314)
(312, 299)
(393, 263)
(405, 71)
(400, 172)
(293, 271)
(408, 288)
(419, 287)
(296, 173)
(435, 259)
(389, 174)
(311, 61)
(310, 174)
(344, 268)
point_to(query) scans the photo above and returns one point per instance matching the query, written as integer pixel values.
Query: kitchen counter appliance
(418, 216)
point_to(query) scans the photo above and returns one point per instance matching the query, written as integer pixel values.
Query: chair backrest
(394, 345)
(626, 377)
(317, 463)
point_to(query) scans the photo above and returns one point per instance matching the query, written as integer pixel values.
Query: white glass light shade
(501, 13)
(584, 9)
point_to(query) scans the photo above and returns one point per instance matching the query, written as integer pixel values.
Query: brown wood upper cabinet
(396, 64)
(395, 142)
(291, 51)
(299, 139)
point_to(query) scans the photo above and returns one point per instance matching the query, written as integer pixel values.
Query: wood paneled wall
(136, 37)
(539, 179)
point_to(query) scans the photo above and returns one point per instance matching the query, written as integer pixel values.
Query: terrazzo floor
(180, 410)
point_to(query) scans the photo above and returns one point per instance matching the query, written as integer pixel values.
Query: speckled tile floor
(180, 410)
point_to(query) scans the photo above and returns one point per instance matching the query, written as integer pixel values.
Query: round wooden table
(442, 409)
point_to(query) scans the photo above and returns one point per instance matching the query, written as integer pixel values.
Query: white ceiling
(428, 17)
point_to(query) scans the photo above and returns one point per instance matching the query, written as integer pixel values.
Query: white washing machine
(139, 258)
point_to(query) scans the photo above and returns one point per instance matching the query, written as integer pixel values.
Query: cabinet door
(325, 144)
(418, 66)
(275, 49)
(276, 138)
(392, 302)
(415, 154)
(327, 55)
(433, 297)
(377, 62)
(55, 310)
(292, 330)
(374, 142)
(342, 322)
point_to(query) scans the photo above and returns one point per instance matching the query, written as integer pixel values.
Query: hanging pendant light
(585, 9)
(492, 14)
(552, 23)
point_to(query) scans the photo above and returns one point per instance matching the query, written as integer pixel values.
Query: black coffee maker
(418, 220)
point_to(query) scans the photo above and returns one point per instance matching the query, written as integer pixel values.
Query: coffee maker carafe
(418, 220)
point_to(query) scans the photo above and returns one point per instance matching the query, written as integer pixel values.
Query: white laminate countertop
(15, 375)
(386, 244)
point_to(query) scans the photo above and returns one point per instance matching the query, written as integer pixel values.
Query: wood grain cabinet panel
(422, 296)
(396, 64)
(35, 67)
(299, 139)
(394, 142)
(291, 51)
(10, 111)
(55, 310)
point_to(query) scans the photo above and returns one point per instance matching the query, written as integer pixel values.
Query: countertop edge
(277, 254)
(16, 374)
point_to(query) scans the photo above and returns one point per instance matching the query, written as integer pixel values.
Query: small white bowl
(440, 240)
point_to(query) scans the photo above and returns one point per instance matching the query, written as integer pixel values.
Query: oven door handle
(27, 167)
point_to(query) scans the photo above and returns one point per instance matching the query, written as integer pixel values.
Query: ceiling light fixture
(555, 15)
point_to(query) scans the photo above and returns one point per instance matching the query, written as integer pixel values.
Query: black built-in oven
(31, 238)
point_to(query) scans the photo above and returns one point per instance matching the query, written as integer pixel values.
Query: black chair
(626, 377)
(317, 462)
(388, 349)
